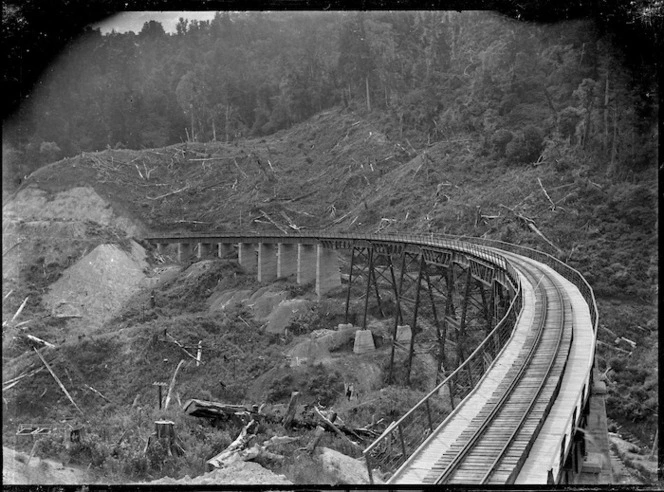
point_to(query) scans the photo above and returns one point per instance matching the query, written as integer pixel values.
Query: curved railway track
(500, 432)
(497, 441)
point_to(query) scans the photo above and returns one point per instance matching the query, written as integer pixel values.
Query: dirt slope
(16, 470)
(238, 473)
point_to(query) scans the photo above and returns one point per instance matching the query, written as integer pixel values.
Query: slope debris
(98, 286)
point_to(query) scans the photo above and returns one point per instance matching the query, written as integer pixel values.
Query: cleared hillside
(473, 124)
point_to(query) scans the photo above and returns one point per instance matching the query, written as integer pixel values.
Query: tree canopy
(518, 85)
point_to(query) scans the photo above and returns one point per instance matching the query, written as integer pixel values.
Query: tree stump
(165, 429)
(292, 407)
(314, 442)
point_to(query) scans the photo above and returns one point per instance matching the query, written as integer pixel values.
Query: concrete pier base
(184, 252)
(267, 262)
(328, 275)
(246, 256)
(363, 342)
(306, 263)
(286, 260)
(225, 250)
(404, 334)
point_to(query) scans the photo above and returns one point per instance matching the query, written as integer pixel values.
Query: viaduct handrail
(565, 442)
(562, 268)
(459, 384)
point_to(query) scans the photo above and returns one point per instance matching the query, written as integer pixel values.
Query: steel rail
(501, 403)
(534, 399)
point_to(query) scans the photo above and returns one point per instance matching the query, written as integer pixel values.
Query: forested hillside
(528, 91)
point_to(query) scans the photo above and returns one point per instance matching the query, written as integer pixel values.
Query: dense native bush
(526, 145)
(325, 386)
(499, 141)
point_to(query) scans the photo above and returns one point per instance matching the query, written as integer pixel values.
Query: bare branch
(168, 194)
(553, 205)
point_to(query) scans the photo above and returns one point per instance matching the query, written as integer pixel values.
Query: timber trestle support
(455, 298)
(434, 289)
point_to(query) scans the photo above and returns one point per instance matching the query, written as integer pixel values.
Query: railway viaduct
(513, 331)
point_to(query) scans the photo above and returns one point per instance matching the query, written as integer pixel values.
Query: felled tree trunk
(329, 424)
(230, 454)
(257, 451)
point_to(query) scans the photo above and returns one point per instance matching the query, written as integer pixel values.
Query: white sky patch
(133, 21)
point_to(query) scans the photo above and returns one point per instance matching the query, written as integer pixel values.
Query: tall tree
(355, 62)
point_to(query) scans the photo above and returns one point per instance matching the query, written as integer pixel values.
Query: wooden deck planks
(546, 450)
(439, 442)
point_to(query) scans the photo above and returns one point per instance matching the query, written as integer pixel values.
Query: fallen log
(330, 425)
(282, 229)
(97, 392)
(279, 441)
(18, 312)
(9, 386)
(257, 451)
(531, 225)
(533, 228)
(181, 346)
(170, 388)
(309, 420)
(168, 194)
(38, 341)
(214, 410)
(57, 380)
(301, 197)
(291, 224)
(553, 205)
(231, 453)
(599, 342)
